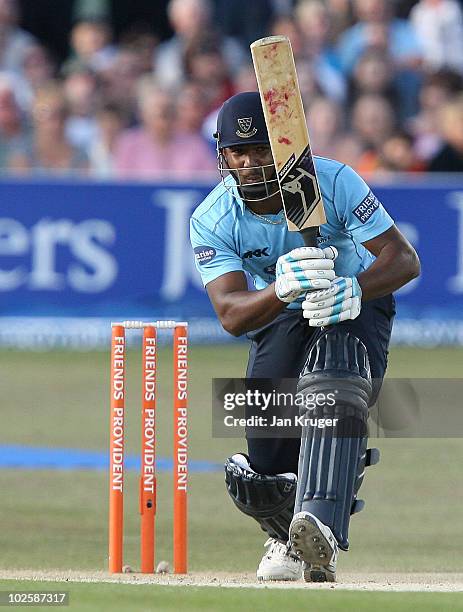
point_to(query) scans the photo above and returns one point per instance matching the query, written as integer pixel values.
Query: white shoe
(279, 563)
(314, 543)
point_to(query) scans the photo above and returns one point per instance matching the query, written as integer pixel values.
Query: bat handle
(309, 236)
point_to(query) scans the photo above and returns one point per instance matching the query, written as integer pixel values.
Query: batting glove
(342, 301)
(304, 269)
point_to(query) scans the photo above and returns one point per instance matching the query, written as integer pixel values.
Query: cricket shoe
(314, 543)
(279, 563)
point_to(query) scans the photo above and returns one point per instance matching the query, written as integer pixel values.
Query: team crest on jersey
(245, 125)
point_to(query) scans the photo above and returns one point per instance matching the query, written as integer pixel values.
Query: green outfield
(57, 519)
(124, 598)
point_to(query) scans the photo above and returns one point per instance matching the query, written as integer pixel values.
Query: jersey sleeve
(213, 256)
(362, 213)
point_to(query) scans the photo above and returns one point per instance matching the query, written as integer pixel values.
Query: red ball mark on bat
(270, 51)
(272, 99)
(277, 100)
(284, 140)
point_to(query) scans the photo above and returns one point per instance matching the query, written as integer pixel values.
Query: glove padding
(304, 269)
(342, 301)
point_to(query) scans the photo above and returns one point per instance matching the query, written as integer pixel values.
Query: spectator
(314, 22)
(120, 81)
(450, 157)
(111, 120)
(48, 151)
(157, 149)
(38, 67)
(382, 53)
(142, 42)
(244, 20)
(205, 64)
(190, 19)
(439, 27)
(14, 42)
(325, 121)
(190, 108)
(373, 74)
(12, 129)
(397, 155)
(377, 26)
(341, 17)
(349, 150)
(91, 48)
(308, 84)
(81, 91)
(245, 80)
(373, 122)
(438, 89)
(285, 25)
(36, 71)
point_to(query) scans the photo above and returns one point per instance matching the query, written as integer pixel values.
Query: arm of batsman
(340, 302)
(304, 269)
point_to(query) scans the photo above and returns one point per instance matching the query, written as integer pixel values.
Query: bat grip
(309, 236)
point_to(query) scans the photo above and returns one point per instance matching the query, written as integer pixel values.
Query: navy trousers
(280, 349)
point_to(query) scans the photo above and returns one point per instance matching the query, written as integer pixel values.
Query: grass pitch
(124, 598)
(58, 519)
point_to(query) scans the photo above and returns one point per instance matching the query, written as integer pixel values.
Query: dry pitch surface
(404, 582)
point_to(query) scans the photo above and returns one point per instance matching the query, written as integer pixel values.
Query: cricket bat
(289, 138)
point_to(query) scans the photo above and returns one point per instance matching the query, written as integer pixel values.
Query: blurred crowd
(382, 83)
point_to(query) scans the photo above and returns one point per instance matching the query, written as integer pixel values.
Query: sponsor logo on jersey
(244, 129)
(204, 254)
(256, 253)
(367, 208)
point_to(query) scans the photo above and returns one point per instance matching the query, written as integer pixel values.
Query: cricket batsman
(319, 315)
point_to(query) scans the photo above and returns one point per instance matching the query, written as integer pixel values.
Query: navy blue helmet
(241, 121)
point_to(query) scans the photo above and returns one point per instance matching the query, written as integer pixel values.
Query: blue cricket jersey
(226, 236)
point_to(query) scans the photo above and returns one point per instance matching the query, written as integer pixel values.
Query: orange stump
(148, 466)
(180, 448)
(116, 470)
(147, 484)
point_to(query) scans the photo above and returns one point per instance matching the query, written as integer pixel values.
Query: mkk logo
(256, 253)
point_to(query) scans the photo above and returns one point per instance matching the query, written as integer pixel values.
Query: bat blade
(289, 138)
